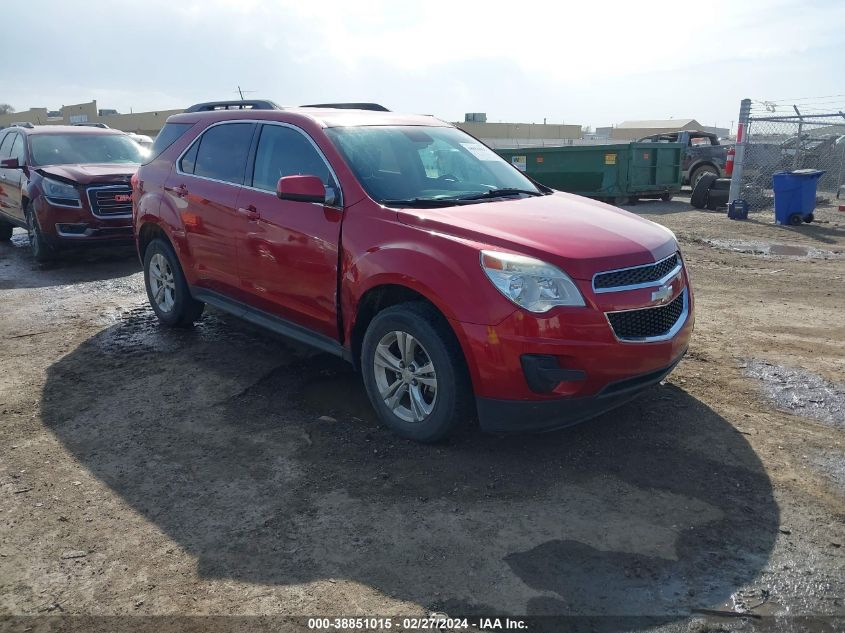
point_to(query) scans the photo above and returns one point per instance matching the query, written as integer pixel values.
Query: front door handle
(181, 191)
(250, 212)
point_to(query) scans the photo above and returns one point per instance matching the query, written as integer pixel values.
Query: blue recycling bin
(795, 195)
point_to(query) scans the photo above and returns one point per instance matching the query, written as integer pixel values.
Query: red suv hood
(87, 174)
(579, 235)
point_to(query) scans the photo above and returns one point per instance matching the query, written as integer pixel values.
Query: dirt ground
(223, 471)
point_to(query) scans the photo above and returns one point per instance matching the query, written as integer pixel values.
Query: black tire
(717, 198)
(184, 309)
(666, 197)
(796, 219)
(6, 231)
(722, 184)
(701, 191)
(452, 405)
(809, 218)
(699, 172)
(41, 250)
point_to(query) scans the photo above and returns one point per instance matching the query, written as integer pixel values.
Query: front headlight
(60, 191)
(530, 283)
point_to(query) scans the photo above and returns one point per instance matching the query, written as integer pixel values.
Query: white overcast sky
(591, 62)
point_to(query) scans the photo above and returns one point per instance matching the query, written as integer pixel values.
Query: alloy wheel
(405, 376)
(162, 283)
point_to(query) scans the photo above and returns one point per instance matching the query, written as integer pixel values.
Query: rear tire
(41, 251)
(809, 218)
(167, 290)
(415, 373)
(666, 197)
(700, 172)
(6, 231)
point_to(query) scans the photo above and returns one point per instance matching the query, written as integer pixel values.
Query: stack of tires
(710, 192)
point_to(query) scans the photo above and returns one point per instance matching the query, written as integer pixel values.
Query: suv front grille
(649, 323)
(110, 200)
(620, 279)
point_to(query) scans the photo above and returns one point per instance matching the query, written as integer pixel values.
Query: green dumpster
(614, 173)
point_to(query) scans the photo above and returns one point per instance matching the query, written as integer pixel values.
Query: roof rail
(349, 106)
(26, 124)
(248, 104)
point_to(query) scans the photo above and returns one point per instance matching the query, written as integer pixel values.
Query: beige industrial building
(632, 130)
(494, 134)
(140, 122)
(521, 134)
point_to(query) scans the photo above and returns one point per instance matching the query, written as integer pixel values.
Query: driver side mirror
(10, 163)
(301, 189)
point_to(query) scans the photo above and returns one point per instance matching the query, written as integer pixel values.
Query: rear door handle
(181, 191)
(250, 212)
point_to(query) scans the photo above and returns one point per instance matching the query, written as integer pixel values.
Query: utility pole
(741, 141)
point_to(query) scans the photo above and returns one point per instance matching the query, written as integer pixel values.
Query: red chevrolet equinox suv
(452, 282)
(67, 185)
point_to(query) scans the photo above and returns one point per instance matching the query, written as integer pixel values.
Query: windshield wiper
(421, 202)
(500, 193)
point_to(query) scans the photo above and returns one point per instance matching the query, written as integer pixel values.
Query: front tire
(167, 289)
(415, 373)
(41, 251)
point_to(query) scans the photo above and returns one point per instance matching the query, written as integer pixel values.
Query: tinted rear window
(170, 133)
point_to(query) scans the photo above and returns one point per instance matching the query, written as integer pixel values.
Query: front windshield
(64, 149)
(398, 164)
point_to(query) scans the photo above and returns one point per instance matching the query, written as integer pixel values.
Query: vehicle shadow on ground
(213, 434)
(19, 270)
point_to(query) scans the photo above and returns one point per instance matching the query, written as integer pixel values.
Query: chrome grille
(650, 323)
(104, 203)
(623, 278)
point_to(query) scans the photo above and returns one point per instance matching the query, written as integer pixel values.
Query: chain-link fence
(785, 143)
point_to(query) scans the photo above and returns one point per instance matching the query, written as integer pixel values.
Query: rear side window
(169, 134)
(283, 151)
(222, 153)
(189, 160)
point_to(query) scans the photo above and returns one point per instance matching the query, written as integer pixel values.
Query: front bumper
(542, 372)
(520, 416)
(68, 227)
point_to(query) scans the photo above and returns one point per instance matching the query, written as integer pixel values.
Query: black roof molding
(237, 104)
(349, 106)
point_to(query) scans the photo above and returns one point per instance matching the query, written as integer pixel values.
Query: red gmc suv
(67, 185)
(450, 280)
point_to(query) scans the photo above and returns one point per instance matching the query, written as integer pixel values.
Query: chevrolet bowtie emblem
(662, 294)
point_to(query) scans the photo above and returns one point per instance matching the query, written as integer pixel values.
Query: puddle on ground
(767, 249)
(800, 392)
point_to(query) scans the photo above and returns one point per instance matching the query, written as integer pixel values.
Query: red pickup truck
(456, 285)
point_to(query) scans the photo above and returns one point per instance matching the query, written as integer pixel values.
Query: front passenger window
(283, 151)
